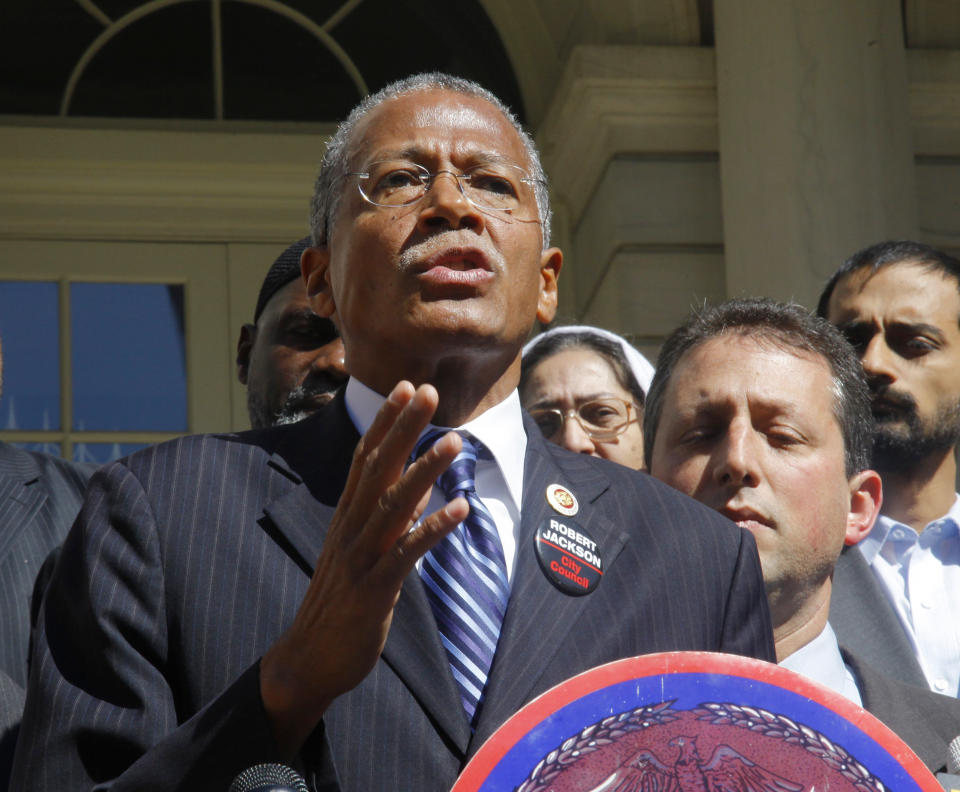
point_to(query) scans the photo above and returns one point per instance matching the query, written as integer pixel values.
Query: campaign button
(568, 556)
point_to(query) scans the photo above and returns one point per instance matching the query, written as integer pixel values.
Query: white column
(816, 157)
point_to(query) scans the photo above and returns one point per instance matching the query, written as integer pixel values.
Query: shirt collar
(821, 661)
(871, 545)
(500, 429)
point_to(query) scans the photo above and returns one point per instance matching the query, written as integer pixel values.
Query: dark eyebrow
(915, 327)
(922, 327)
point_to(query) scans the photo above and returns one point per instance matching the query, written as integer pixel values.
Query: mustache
(885, 398)
(413, 255)
(310, 396)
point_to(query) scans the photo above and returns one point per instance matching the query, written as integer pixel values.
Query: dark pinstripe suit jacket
(190, 558)
(39, 497)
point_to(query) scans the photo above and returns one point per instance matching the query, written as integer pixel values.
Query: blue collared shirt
(920, 573)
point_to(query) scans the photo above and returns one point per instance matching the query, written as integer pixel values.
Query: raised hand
(342, 624)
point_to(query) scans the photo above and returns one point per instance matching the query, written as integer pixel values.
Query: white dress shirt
(921, 575)
(499, 481)
(821, 661)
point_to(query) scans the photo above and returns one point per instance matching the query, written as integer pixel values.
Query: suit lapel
(21, 496)
(539, 616)
(315, 454)
(881, 636)
(318, 459)
(413, 650)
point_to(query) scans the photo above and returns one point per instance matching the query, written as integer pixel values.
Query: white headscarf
(639, 365)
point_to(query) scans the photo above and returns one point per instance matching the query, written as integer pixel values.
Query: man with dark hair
(370, 608)
(898, 594)
(760, 410)
(290, 359)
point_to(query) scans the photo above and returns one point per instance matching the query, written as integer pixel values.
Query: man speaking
(370, 608)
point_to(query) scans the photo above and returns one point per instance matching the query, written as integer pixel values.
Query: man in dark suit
(760, 410)
(39, 497)
(290, 359)
(230, 600)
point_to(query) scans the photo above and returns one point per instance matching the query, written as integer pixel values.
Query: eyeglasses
(497, 186)
(602, 419)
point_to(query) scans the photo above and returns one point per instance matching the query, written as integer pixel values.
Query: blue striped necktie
(465, 577)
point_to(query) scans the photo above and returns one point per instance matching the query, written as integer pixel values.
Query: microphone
(950, 780)
(953, 756)
(269, 778)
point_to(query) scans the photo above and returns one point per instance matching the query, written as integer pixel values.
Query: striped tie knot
(460, 478)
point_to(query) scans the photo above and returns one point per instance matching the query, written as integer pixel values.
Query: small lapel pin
(562, 500)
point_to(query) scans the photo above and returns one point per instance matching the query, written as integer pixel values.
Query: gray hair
(335, 164)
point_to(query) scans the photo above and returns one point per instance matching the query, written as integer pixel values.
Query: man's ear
(866, 497)
(315, 268)
(551, 260)
(248, 336)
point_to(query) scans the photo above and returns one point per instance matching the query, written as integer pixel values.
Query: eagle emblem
(727, 771)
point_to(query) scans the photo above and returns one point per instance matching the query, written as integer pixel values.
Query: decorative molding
(934, 84)
(625, 99)
(161, 186)
(612, 100)
(141, 184)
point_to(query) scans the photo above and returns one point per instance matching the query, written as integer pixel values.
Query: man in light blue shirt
(898, 595)
(760, 410)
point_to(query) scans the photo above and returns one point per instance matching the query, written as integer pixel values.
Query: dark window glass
(159, 67)
(128, 366)
(321, 89)
(30, 334)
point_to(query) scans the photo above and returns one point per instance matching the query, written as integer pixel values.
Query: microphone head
(953, 756)
(269, 778)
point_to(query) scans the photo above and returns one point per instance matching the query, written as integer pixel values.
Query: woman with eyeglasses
(585, 386)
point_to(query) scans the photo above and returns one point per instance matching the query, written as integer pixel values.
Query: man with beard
(897, 594)
(290, 359)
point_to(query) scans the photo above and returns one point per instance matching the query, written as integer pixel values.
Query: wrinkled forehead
(436, 123)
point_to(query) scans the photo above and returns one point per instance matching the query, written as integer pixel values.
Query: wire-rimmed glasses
(602, 419)
(495, 186)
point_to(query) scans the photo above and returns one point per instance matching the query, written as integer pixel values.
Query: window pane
(101, 453)
(30, 333)
(129, 368)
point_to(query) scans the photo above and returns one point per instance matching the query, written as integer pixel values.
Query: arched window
(262, 60)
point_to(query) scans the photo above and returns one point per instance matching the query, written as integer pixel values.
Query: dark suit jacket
(924, 720)
(866, 623)
(190, 558)
(39, 497)
(11, 708)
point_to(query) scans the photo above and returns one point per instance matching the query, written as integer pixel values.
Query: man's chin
(901, 451)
